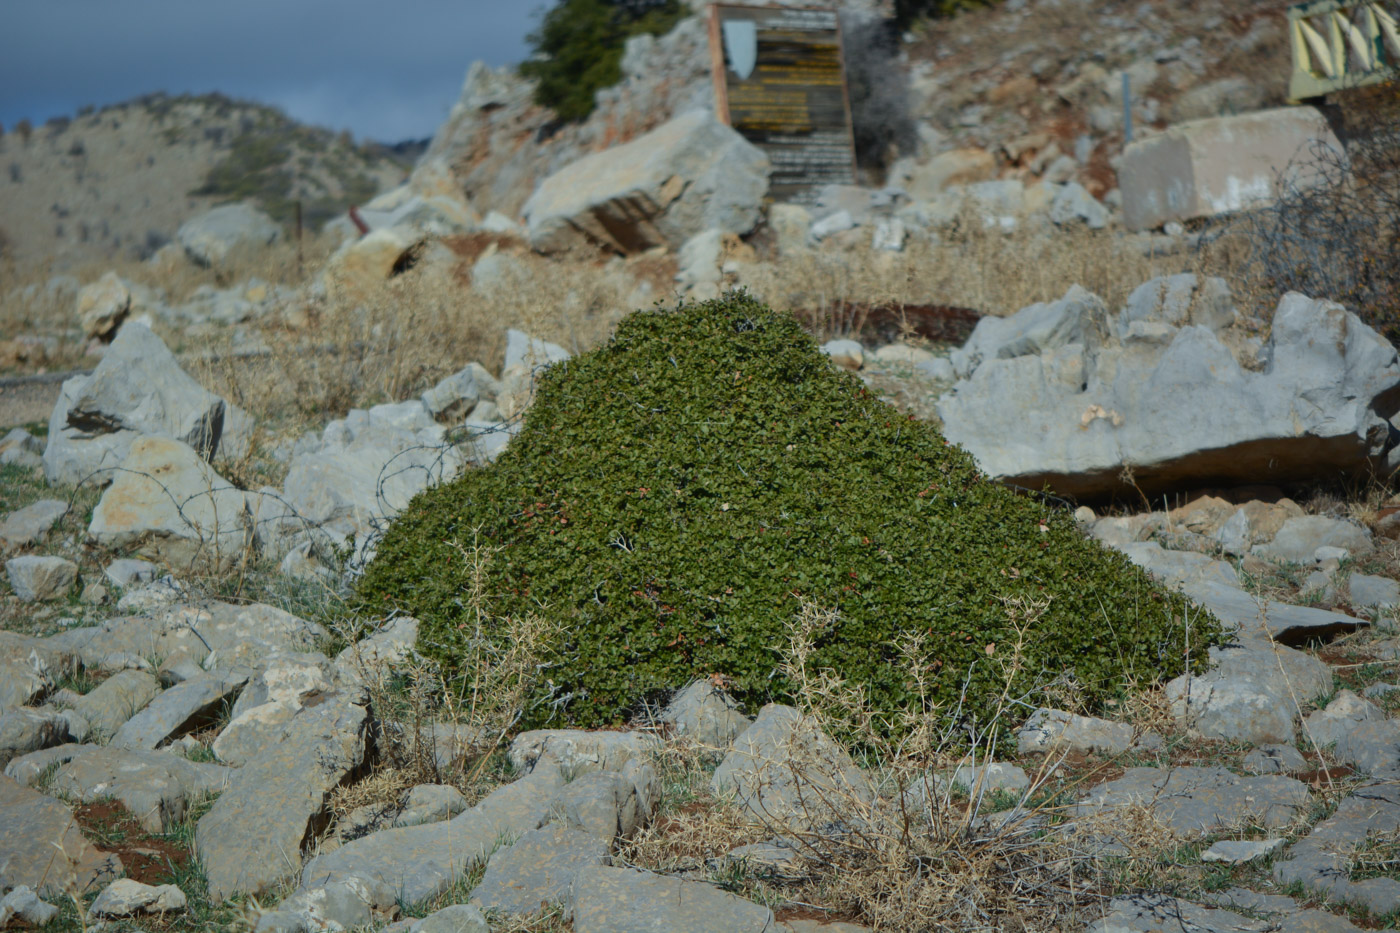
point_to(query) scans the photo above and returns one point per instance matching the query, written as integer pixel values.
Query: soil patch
(147, 858)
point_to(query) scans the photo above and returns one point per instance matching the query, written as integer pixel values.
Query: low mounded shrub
(677, 495)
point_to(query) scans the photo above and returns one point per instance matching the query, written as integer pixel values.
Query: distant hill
(119, 181)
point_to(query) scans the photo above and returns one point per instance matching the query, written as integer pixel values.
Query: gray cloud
(385, 71)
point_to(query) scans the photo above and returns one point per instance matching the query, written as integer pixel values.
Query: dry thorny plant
(434, 730)
(897, 844)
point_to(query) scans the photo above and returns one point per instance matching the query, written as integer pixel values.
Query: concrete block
(1215, 166)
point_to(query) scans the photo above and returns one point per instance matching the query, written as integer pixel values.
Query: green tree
(579, 44)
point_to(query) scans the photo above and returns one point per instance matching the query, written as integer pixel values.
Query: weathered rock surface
(707, 716)
(29, 524)
(538, 871)
(115, 700)
(155, 786)
(1176, 405)
(1321, 860)
(1054, 730)
(626, 900)
(39, 579)
(420, 862)
(252, 838)
(1192, 801)
(784, 770)
(26, 730)
(42, 847)
(126, 898)
(578, 751)
(1150, 913)
(689, 175)
(103, 305)
(178, 710)
(137, 389)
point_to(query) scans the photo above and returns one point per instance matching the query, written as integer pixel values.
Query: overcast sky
(385, 71)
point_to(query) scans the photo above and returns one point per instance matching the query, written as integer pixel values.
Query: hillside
(116, 183)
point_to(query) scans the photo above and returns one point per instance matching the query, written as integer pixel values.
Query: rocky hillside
(117, 183)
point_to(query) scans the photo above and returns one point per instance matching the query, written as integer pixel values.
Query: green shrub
(676, 495)
(579, 44)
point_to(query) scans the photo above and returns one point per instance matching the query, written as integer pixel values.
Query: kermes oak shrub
(675, 497)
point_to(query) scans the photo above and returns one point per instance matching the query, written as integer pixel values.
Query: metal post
(1127, 109)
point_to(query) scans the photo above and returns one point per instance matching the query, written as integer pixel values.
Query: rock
(578, 751)
(847, 354)
(1320, 861)
(1342, 715)
(363, 265)
(1222, 97)
(103, 306)
(1249, 693)
(889, 236)
(178, 710)
(215, 237)
(350, 904)
(1178, 568)
(1286, 624)
(25, 904)
(1151, 913)
(1371, 746)
(692, 173)
(1053, 730)
(1243, 851)
(170, 504)
(266, 712)
(1192, 801)
(1215, 166)
(604, 804)
(126, 571)
(115, 700)
(420, 862)
(126, 898)
(627, 900)
(832, 224)
(1076, 319)
(538, 871)
(1073, 204)
(1306, 413)
(458, 918)
(218, 636)
(29, 524)
(41, 846)
(431, 803)
(374, 658)
(40, 579)
(26, 730)
(1275, 759)
(786, 771)
(451, 399)
(1365, 591)
(988, 778)
(22, 681)
(706, 715)
(252, 838)
(791, 224)
(137, 389)
(955, 167)
(1180, 301)
(155, 786)
(22, 449)
(1299, 538)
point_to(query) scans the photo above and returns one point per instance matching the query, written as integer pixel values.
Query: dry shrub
(969, 266)
(417, 328)
(413, 703)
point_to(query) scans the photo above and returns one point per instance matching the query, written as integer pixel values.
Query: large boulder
(1215, 166)
(103, 305)
(212, 238)
(170, 504)
(137, 389)
(1159, 392)
(689, 175)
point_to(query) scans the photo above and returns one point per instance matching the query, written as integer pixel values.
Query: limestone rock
(706, 715)
(252, 838)
(40, 579)
(1053, 730)
(155, 786)
(177, 710)
(29, 524)
(103, 305)
(538, 871)
(626, 900)
(27, 730)
(126, 898)
(693, 173)
(579, 751)
(42, 847)
(1182, 411)
(137, 389)
(1192, 801)
(214, 237)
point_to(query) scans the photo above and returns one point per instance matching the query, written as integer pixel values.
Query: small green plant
(579, 44)
(675, 496)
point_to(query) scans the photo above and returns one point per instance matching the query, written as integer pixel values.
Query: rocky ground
(198, 732)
